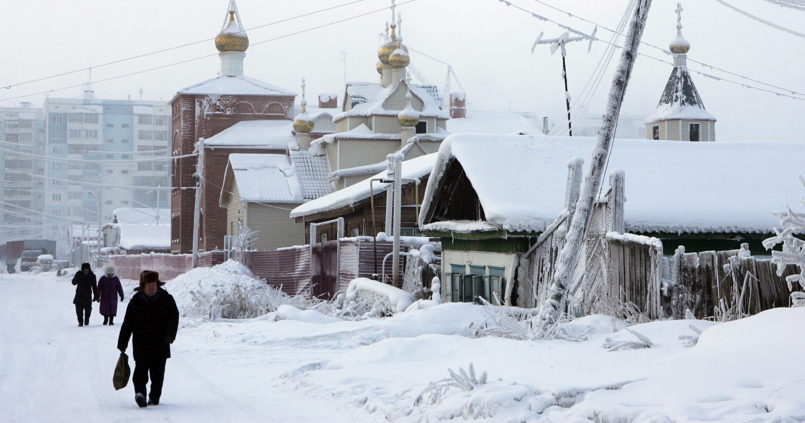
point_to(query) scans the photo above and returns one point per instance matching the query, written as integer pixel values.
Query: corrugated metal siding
(348, 268)
(368, 258)
(274, 227)
(287, 269)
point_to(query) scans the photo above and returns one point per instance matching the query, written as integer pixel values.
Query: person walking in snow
(153, 319)
(85, 292)
(109, 289)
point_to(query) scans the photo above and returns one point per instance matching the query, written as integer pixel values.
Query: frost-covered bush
(229, 291)
(383, 299)
(791, 234)
(463, 380)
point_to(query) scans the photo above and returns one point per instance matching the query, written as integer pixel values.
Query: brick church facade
(204, 110)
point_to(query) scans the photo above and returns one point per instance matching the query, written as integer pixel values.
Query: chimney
(458, 105)
(328, 101)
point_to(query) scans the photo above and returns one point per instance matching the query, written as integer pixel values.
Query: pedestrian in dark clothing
(109, 289)
(86, 291)
(153, 319)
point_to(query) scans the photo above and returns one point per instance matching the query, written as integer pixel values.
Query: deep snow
(308, 366)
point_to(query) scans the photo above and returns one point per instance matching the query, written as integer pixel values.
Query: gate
(324, 269)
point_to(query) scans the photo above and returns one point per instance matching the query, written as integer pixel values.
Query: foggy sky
(487, 43)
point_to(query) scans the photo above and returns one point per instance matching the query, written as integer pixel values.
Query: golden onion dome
(385, 51)
(399, 59)
(232, 37)
(680, 45)
(390, 46)
(408, 116)
(380, 66)
(303, 123)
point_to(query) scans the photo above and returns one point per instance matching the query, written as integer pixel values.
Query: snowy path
(53, 371)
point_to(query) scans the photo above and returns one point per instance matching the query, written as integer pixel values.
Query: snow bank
(289, 312)
(738, 371)
(387, 296)
(228, 290)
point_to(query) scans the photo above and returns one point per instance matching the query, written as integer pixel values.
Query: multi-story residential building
(103, 155)
(22, 139)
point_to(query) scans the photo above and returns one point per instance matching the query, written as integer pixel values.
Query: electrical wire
(139, 56)
(181, 62)
(793, 4)
(666, 51)
(795, 95)
(113, 161)
(761, 20)
(95, 184)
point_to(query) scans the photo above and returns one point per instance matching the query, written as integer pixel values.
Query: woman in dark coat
(109, 289)
(153, 319)
(85, 291)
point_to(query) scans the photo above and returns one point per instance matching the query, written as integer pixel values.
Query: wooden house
(363, 205)
(494, 199)
(258, 193)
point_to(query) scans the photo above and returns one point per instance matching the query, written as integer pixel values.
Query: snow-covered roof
(264, 178)
(141, 215)
(235, 85)
(145, 237)
(495, 123)
(680, 187)
(269, 134)
(313, 173)
(370, 99)
(360, 132)
(680, 100)
(411, 169)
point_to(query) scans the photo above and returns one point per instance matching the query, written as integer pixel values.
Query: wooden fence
(722, 284)
(288, 269)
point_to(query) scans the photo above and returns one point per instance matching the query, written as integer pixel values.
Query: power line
(181, 62)
(795, 95)
(793, 4)
(78, 182)
(139, 56)
(113, 161)
(667, 52)
(761, 20)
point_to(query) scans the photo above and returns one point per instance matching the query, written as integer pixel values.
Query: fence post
(617, 198)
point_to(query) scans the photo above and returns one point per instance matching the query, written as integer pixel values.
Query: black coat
(86, 288)
(153, 321)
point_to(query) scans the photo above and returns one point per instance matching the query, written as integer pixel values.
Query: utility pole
(559, 43)
(387, 228)
(100, 219)
(397, 218)
(197, 207)
(551, 307)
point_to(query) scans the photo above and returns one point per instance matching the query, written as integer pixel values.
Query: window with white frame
(469, 282)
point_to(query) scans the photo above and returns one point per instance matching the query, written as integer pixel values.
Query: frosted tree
(243, 242)
(791, 234)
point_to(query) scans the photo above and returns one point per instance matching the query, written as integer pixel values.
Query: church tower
(204, 110)
(393, 54)
(680, 114)
(232, 43)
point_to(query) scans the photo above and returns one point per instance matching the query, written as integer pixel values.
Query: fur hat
(149, 276)
(109, 269)
(86, 266)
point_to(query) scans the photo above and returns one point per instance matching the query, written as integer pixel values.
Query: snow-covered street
(53, 371)
(301, 365)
